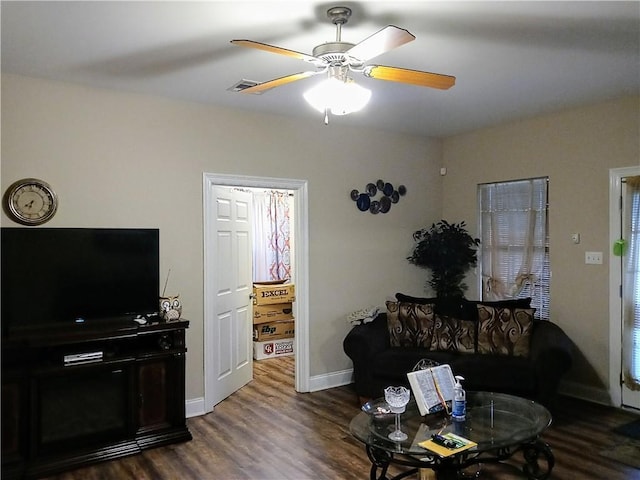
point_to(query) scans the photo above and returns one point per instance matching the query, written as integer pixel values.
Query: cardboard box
(270, 292)
(275, 312)
(273, 330)
(273, 348)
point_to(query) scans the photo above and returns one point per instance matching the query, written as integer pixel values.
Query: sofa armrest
(363, 342)
(552, 353)
(549, 339)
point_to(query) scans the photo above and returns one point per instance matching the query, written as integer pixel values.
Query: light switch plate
(593, 258)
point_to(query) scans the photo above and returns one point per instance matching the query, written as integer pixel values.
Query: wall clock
(31, 201)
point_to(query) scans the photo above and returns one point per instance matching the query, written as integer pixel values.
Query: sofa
(495, 346)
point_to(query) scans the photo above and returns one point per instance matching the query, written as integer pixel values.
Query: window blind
(514, 250)
(631, 295)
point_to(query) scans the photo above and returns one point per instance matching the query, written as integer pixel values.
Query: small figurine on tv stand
(170, 307)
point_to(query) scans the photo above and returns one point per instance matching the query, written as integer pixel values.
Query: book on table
(433, 388)
(459, 444)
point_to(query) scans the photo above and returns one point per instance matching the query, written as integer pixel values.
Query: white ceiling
(511, 59)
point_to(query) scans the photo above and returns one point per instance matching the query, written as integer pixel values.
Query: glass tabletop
(493, 421)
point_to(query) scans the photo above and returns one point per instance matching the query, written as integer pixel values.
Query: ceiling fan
(338, 58)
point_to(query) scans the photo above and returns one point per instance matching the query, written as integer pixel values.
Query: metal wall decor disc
(363, 202)
(385, 204)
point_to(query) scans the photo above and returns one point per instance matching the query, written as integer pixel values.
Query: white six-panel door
(230, 317)
(217, 385)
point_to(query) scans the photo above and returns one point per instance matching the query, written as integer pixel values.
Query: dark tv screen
(57, 275)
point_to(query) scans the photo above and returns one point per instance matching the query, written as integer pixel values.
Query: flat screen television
(70, 275)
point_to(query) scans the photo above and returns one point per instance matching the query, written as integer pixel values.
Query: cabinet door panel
(152, 382)
(10, 419)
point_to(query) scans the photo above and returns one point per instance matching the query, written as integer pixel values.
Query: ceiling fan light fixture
(341, 97)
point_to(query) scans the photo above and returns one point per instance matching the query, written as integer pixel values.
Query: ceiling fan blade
(261, 87)
(414, 77)
(382, 41)
(273, 49)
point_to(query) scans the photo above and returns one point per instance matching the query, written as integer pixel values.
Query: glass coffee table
(500, 424)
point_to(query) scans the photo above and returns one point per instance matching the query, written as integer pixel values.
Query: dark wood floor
(267, 431)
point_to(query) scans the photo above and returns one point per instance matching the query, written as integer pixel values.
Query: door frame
(615, 281)
(300, 274)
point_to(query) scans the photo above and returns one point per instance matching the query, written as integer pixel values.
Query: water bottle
(459, 401)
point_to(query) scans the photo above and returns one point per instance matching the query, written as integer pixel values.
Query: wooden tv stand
(78, 394)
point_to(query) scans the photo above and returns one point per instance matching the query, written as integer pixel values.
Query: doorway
(619, 224)
(301, 275)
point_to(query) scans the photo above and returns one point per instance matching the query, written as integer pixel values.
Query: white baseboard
(584, 392)
(194, 407)
(571, 389)
(331, 380)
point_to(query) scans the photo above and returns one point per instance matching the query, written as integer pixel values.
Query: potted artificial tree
(448, 251)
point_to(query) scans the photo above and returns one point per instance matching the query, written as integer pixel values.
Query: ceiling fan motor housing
(333, 53)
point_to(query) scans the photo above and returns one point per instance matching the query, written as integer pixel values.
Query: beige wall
(576, 149)
(125, 160)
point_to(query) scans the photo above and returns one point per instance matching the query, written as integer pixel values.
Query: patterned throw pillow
(504, 330)
(410, 324)
(453, 334)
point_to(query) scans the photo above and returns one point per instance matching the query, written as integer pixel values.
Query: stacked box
(273, 331)
(273, 322)
(275, 312)
(268, 293)
(273, 348)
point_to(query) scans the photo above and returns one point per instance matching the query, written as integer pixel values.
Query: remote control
(445, 442)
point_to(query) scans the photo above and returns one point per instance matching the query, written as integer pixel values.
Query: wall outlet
(593, 258)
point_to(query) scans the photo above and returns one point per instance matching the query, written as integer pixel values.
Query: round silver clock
(31, 201)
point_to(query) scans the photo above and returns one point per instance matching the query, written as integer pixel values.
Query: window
(514, 249)
(631, 284)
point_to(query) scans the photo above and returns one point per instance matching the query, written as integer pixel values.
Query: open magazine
(432, 388)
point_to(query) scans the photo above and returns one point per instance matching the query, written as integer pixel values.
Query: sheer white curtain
(261, 229)
(631, 295)
(271, 236)
(513, 231)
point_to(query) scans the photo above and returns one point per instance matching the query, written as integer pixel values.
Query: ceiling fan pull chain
(326, 116)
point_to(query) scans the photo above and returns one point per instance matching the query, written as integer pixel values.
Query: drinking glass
(397, 398)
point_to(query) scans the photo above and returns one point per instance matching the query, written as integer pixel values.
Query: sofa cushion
(451, 307)
(395, 363)
(401, 297)
(504, 330)
(410, 324)
(496, 373)
(453, 334)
